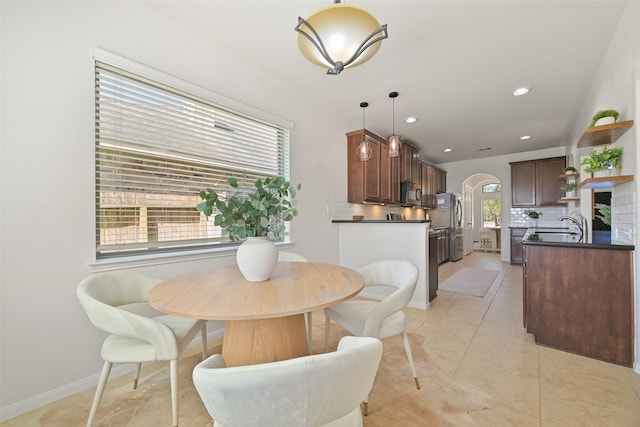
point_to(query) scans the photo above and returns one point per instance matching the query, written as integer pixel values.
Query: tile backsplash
(548, 218)
(345, 211)
(623, 219)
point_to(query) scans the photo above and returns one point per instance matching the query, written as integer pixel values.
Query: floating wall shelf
(604, 135)
(604, 182)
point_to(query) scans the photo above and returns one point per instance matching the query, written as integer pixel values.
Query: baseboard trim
(78, 386)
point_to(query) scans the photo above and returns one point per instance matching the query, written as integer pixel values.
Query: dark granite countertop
(560, 238)
(381, 221)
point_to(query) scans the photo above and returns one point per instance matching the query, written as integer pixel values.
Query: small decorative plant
(604, 113)
(607, 158)
(605, 212)
(568, 187)
(532, 214)
(252, 212)
(570, 169)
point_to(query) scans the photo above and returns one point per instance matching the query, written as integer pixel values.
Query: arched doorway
(480, 213)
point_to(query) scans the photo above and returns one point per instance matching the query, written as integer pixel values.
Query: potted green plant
(604, 117)
(570, 170)
(569, 188)
(253, 213)
(534, 215)
(600, 163)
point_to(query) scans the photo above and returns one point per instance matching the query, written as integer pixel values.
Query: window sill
(109, 264)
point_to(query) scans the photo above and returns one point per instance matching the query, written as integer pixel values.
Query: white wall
(48, 347)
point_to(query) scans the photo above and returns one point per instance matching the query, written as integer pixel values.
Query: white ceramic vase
(257, 257)
(605, 121)
(571, 194)
(602, 173)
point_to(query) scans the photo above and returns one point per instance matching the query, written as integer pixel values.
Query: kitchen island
(578, 297)
(367, 241)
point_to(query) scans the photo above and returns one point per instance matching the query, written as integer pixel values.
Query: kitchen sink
(554, 237)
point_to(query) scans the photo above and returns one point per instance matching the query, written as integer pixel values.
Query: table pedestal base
(249, 342)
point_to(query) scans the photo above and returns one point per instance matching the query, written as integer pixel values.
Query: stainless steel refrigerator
(448, 214)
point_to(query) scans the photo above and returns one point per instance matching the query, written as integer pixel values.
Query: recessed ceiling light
(411, 119)
(521, 91)
(484, 149)
(525, 137)
(447, 150)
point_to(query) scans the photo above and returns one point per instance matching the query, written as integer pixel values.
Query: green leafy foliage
(257, 211)
(568, 186)
(604, 113)
(570, 169)
(532, 214)
(607, 158)
(605, 212)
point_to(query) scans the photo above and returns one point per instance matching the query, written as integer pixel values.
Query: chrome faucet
(576, 223)
(584, 225)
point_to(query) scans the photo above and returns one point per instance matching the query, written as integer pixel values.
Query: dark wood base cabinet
(580, 300)
(516, 244)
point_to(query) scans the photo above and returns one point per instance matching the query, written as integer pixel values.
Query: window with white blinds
(156, 148)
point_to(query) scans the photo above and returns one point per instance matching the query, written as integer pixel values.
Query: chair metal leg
(327, 326)
(102, 382)
(309, 329)
(136, 375)
(203, 337)
(407, 348)
(365, 406)
(173, 368)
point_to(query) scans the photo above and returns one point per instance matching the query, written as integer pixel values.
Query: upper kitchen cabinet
(535, 182)
(441, 181)
(409, 164)
(376, 180)
(429, 184)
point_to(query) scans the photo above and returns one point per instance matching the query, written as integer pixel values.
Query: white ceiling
(454, 63)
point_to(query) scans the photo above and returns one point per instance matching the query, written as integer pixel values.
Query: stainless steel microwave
(410, 194)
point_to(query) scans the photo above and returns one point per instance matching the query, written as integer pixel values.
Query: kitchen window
(157, 145)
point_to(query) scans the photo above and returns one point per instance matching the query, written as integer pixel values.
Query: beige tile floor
(481, 341)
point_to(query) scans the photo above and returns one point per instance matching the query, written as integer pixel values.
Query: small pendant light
(394, 140)
(364, 148)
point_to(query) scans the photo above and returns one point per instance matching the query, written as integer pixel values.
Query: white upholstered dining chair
(311, 391)
(284, 256)
(379, 319)
(116, 303)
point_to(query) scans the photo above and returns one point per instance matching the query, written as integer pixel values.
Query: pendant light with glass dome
(363, 151)
(394, 140)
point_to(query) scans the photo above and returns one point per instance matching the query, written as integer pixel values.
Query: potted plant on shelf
(601, 163)
(569, 170)
(604, 117)
(569, 189)
(255, 214)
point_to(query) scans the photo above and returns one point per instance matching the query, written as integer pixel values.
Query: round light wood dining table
(264, 320)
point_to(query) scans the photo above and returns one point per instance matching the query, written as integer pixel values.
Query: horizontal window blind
(156, 148)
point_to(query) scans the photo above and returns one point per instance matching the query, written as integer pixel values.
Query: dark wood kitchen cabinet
(376, 180)
(517, 255)
(441, 181)
(535, 182)
(409, 163)
(580, 299)
(433, 266)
